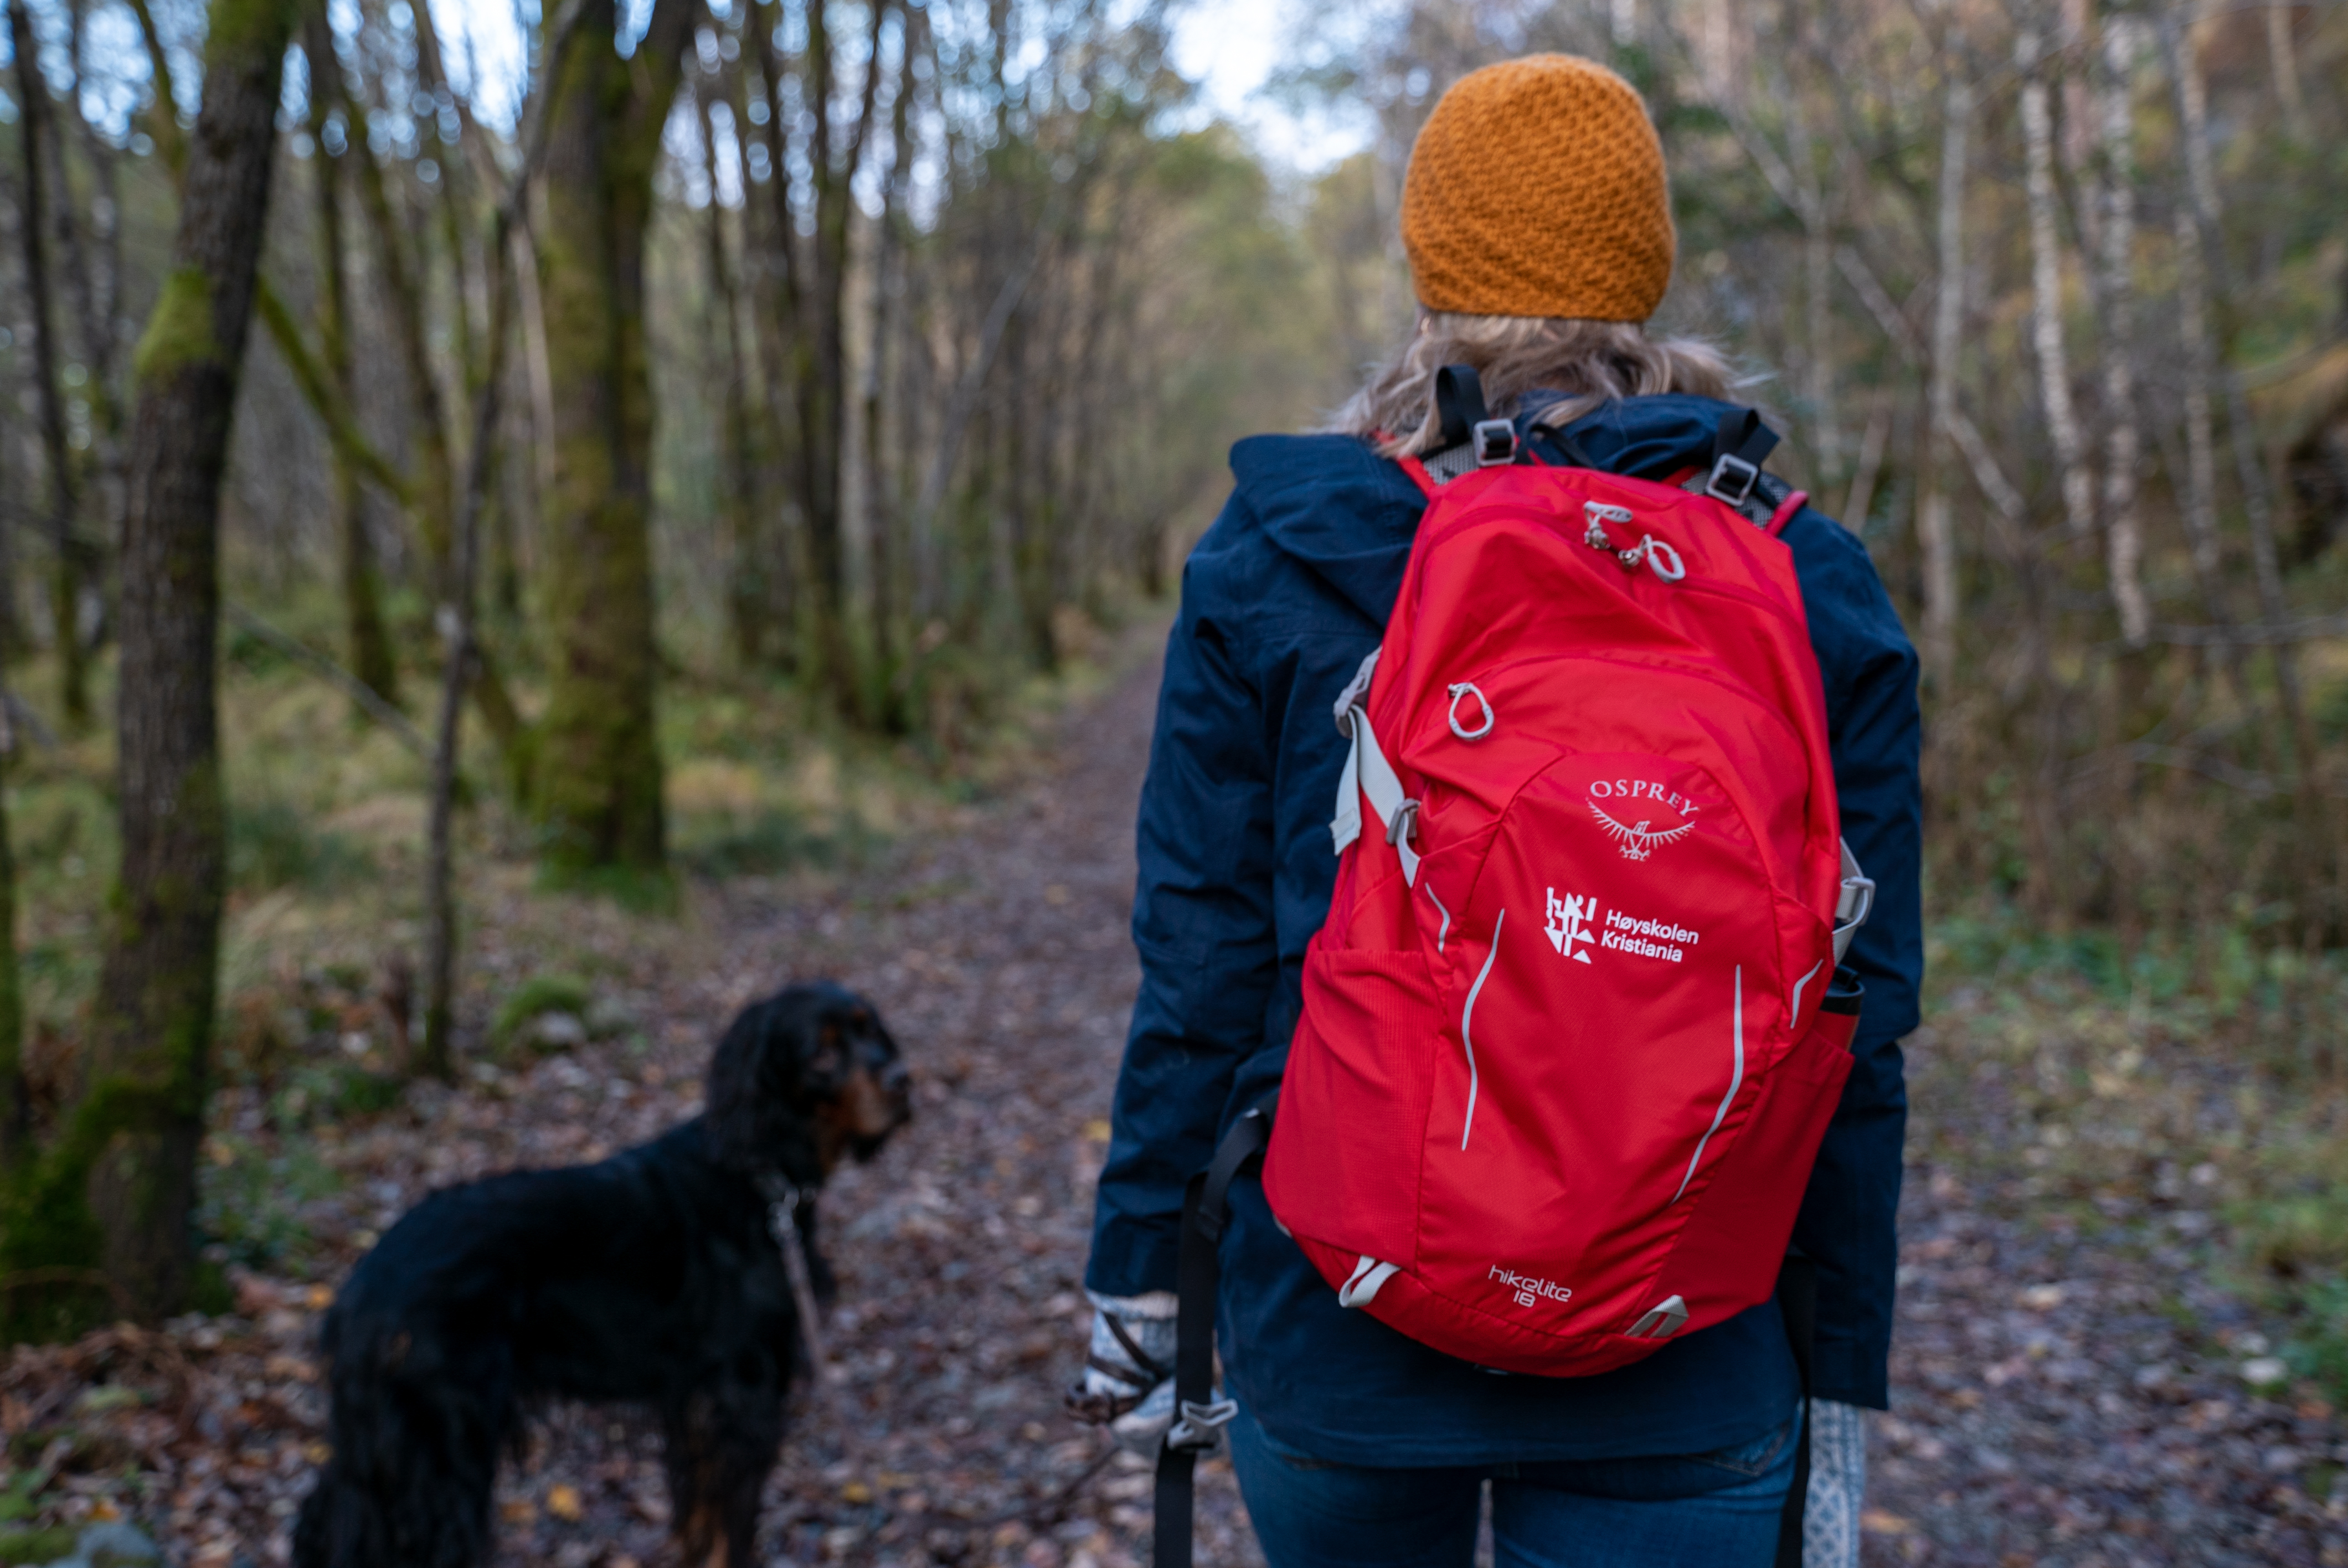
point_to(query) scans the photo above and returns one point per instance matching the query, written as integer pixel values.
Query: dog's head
(804, 1078)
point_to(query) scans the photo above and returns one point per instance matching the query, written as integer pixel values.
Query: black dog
(651, 1278)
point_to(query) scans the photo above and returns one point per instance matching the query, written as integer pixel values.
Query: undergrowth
(2199, 1075)
(319, 995)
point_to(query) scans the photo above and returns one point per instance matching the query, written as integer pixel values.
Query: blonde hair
(1589, 362)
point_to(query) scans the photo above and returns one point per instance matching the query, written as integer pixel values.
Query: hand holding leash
(1129, 1381)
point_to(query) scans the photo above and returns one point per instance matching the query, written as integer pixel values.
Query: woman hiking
(1537, 220)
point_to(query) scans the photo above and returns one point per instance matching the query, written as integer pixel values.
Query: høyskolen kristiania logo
(1527, 1290)
(1638, 799)
(1571, 920)
(1664, 939)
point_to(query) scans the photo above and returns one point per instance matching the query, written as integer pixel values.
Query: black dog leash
(1797, 1300)
(1197, 1414)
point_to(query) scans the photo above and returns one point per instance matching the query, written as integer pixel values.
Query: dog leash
(783, 1202)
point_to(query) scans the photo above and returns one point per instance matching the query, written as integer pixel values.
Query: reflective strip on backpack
(1735, 1082)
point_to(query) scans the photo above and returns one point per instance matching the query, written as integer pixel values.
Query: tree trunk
(98, 297)
(882, 494)
(778, 318)
(598, 784)
(814, 309)
(370, 642)
(1935, 529)
(162, 115)
(2321, 860)
(2123, 529)
(15, 1102)
(2046, 298)
(150, 1026)
(820, 355)
(1817, 312)
(438, 1056)
(432, 493)
(746, 588)
(2283, 57)
(36, 135)
(403, 290)
(15, 1105)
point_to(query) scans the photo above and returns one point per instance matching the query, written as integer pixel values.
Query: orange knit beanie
(1536, 188)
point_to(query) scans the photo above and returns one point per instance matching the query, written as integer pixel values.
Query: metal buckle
(1199, 1423)
(1730, 465)
(1494, 442)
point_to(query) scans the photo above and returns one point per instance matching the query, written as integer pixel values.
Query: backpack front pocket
(1361, 1064)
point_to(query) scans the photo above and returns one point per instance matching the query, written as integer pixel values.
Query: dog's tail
(420, 1415)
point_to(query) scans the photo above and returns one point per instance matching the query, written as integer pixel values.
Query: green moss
(597, 776)
(36, 1545)
(640, 890)
(179, 331)
(44, 1216)
(539, 994)
(238, 27)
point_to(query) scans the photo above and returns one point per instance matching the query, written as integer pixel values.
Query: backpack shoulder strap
(1470, 438)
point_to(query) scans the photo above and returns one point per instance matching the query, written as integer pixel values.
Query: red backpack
(1566, 1053)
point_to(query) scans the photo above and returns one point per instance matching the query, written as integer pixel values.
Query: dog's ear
(749, 1093)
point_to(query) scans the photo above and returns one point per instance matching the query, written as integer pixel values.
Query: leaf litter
(2058, 1395)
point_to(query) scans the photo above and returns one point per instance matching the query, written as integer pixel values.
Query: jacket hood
(1348, 514)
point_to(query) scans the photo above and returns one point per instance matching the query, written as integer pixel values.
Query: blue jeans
(1695, 1510)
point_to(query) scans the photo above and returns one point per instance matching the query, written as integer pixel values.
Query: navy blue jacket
(1281, 600)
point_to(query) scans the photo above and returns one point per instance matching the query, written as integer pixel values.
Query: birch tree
(1935, 530)
(2123, 440)
(2046, 295)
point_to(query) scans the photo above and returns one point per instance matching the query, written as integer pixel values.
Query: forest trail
(2049, 1408)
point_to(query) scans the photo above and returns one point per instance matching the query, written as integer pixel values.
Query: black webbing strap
(1458, 404)
(1198, 1274)
(1797, 1300)
(1572, 451)
(1742, 435)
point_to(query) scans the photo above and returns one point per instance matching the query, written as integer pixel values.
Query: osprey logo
(1570, 920)
(1640, 837)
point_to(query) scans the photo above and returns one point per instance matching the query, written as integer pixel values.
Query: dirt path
(2058, 1398)
(999, 956)
(2067, 1379)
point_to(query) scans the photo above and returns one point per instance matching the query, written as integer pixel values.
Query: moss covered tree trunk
(150, 1028)
(597, 767)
